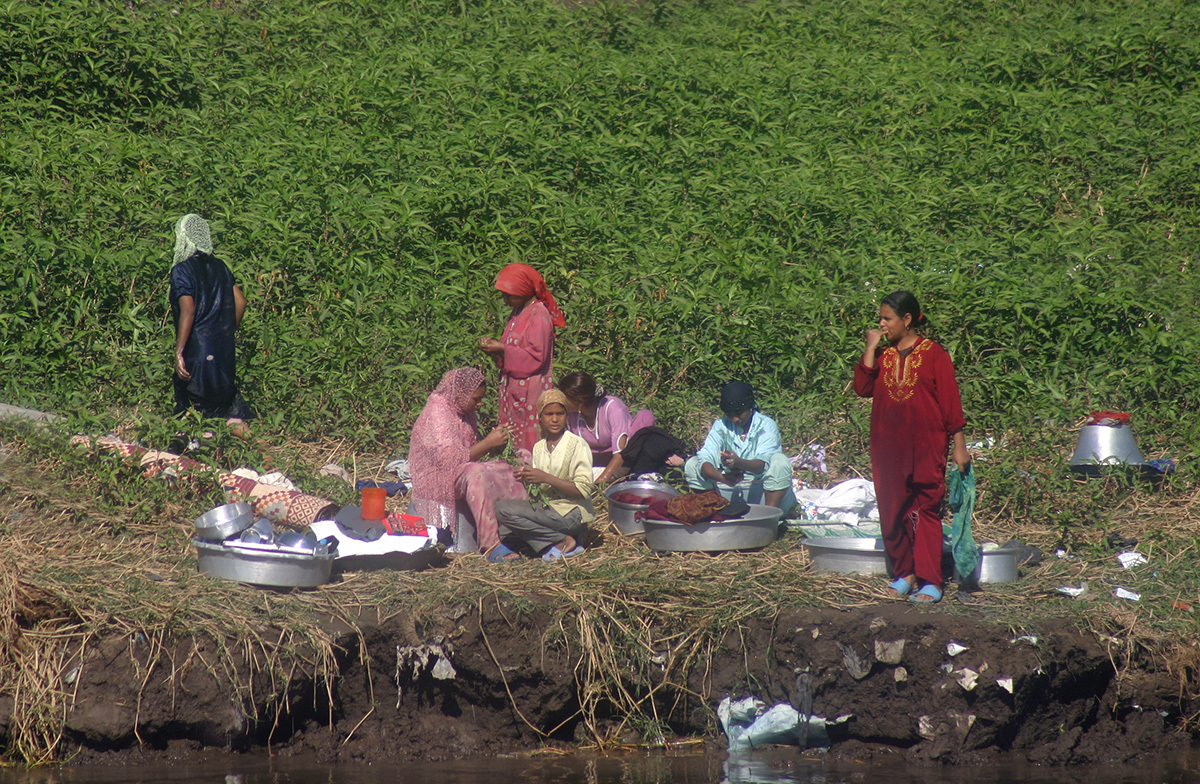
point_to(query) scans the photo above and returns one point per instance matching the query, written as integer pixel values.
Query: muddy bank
(502, 678)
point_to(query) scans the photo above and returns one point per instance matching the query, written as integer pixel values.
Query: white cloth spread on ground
(384, 545)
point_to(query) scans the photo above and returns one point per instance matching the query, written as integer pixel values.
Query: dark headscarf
(736, 397)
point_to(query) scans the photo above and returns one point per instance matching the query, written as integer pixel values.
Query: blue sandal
(555, 553)
(901, 586)
(929, 594)
(501, 553)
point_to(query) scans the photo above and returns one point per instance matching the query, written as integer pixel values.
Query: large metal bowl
(848, 554)
(263, 565)
(227, 520)
(624, 516)
(757, 528)
(1106, 445)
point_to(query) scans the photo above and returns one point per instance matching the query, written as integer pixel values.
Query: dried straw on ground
(108, 554)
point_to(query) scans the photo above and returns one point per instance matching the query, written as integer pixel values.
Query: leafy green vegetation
(711, 189)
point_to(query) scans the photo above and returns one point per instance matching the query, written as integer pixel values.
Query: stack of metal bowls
(232, 545)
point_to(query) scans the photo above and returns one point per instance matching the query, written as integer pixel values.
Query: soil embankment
(113, 646)
(502, 678)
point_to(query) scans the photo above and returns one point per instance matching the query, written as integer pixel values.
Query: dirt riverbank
(502, 679)
(114, 649)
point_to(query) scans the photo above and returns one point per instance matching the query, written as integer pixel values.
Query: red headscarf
(522, 280)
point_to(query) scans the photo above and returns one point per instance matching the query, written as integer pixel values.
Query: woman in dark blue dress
(207, 306)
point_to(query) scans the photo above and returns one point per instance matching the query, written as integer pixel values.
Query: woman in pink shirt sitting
(602, 420)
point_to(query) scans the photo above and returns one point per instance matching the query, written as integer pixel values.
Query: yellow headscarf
(548, 397)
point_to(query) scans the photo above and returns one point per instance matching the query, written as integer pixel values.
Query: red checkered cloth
(289, 509)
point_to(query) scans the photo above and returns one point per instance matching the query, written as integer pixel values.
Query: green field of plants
(712, 189)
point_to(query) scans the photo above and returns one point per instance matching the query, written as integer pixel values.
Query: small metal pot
(227, 520)
(298, 543)
(624, 516)
(997, 566)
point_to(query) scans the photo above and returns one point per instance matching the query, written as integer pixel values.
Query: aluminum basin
(1101, 445)
(866, 556)
(624, 516)
(757, 528)
(263, 565)
(997, 566)
(848, 554)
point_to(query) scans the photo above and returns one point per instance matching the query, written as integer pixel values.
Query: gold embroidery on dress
(900, 378)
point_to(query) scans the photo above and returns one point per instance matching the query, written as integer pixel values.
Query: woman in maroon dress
(916, 412)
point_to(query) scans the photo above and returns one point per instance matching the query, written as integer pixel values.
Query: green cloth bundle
(961, 487)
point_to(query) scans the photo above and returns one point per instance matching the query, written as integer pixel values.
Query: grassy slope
(713, 190)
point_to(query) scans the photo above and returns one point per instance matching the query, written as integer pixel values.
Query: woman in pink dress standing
(525, 351)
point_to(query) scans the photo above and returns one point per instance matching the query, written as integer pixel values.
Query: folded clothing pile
(692, 508)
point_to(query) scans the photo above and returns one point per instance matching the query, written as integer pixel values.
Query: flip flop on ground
(554, 553)
(502, 553)
(899, 587)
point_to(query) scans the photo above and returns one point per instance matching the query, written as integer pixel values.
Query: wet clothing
(647, 451)
(915, 410)
(209, 351)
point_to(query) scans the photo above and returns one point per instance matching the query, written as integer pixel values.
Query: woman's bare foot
(897, 591)
(567, 544)
(496, 557)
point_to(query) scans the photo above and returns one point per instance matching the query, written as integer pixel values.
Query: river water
(759, 767)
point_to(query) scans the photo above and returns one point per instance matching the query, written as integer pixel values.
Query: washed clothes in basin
(848, 554)
(263, 564)
(624, 515)
(757, 528)
(224, 521)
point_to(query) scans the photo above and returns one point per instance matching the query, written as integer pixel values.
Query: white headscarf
(191, 235)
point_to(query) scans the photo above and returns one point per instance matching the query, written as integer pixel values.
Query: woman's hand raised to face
(873, 337)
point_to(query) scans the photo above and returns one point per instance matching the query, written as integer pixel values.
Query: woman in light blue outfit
(743, 457)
